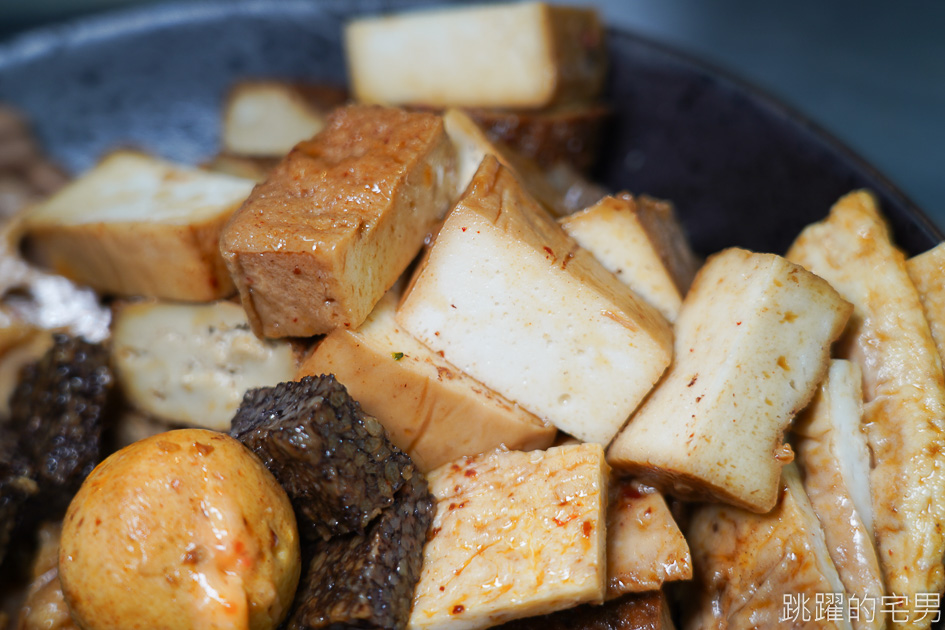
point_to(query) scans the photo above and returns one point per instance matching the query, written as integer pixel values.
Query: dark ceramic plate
(741, 168)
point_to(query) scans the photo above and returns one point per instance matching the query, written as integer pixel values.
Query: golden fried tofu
(515, 534)
(927, 271)
(760, 570)
(834, 461)
(338, 220)
(904, 411)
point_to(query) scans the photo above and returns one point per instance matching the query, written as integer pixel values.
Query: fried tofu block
(514, 55)
(641, 242)
(635, 611)
(190, 364)
(514, 535)
(752, 342)
(571, 135)
(750, 567)
(472, 145)
(136, 225)
(430, 409)
(927, 271)
(338, 220)
(834, 461)
(904, 413)
(644, 545)
(511, 300)
(266, 118)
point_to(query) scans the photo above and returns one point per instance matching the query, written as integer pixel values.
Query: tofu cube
(430, 409)
(644, 545)
(752, 343)
(137, 225)
(514, 55)
(748, 564)
(515, 534)
(641, 242)
(191, 364)
(338, 220)
(472, 145)
(268, 118)
(511, 300)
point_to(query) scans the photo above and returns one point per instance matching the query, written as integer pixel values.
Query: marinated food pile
(391, 360)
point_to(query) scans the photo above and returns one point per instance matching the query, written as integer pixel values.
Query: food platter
(741, 168)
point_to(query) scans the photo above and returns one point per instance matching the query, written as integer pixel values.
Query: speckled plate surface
(741, 169)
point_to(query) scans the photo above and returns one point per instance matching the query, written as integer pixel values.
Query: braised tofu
(338, 220)
(268, 118)
(762, 570)
(515, 534)
(190, 364)
(430, 409)
(834, 462)
(641, 242)
(136, 225)
(472, 145)
(511, 300)
(568, 135)
(514, 55)
(644, 545)
(904, 412)
(927, 271)
(752, 342)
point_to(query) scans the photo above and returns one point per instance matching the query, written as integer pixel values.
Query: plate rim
(49, 39)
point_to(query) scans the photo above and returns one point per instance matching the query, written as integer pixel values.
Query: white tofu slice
(514, 535)
(430, 409)
(642, 243)
(318, 244)
(472, 145)
(834, 461)
(511, 300)
(266, 118)
(904, 412)
(752, 343)
(136, 225)
(514, 55)
(644, 545)
(191, 364)
(754, 570)
(927, 271)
